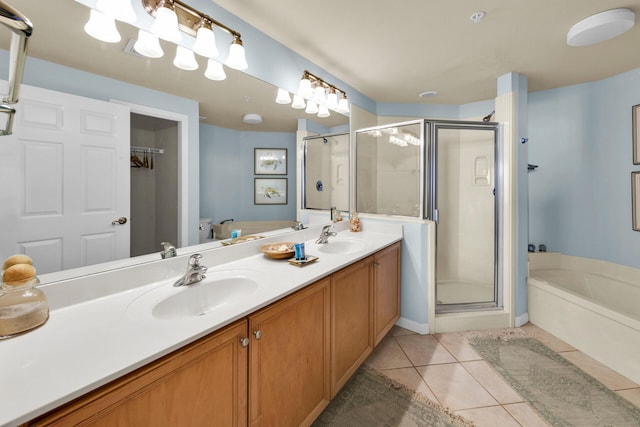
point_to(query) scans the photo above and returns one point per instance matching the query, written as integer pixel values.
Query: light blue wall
(227, 174)
(56, 77)
(580, 196)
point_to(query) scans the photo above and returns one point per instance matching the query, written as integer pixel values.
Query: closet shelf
(148, 150)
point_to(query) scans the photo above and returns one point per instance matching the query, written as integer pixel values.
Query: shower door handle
(436, 216)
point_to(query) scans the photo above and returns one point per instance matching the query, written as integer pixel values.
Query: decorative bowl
(278, 250)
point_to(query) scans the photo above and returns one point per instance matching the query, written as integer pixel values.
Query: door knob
(244, 342)
(257, 334)
(121, 220)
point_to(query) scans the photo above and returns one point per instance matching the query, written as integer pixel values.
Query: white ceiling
(388, 50)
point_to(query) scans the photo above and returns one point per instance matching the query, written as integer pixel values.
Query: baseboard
(419, 328)
(522, 319)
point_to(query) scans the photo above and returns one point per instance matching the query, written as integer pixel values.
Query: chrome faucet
(298, 226)
(168, 251)
(195, 272)
(325, 234)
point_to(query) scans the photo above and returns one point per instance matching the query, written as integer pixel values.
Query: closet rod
(151, 150)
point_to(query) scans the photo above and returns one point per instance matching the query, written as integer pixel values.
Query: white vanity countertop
(93, 342)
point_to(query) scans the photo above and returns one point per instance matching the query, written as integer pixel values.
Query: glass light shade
(298, 102)
(102, 27)
(236, 58)
(318, 95)
(323, 111)
(283, 96)
(304, 89)
(343, 106)
(332, 100)
(185, 59)
(205, 44)
(148, 45)
(118, 9)
(166, 24)
(312, 108)
(215, 71)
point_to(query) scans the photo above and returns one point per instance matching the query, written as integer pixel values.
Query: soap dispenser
(22, 306)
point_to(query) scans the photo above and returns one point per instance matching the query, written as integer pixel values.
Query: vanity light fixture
(172, 18)
(320, 95)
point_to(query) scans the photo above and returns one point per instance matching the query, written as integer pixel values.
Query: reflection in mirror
(388, 169)
(106, 71)
(326, 172)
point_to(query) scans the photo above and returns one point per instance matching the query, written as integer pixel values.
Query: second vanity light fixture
(316, 96)
(171, 18)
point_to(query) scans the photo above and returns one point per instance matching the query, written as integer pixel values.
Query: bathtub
(590, 304)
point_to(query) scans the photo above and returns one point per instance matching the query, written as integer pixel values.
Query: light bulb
(298, 102)
(318, 95)
(215, 71)
(117, 9)
(165, 25)
(205, 44)
(236, 58)
(148, 45)
(332, 100)
(185, 59)
(283, 96)
(102, 27)
(343, 105)
(312, 108)
(323, 111)
(304, 89)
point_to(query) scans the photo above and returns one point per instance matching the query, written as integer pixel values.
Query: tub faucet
(168, 251)
(195, 272)
(325, 234)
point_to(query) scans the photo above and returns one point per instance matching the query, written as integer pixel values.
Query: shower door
(463, 202)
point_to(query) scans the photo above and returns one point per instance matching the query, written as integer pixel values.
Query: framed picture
(270, 161)
(635, 201)
(270, 191)
(635, 113)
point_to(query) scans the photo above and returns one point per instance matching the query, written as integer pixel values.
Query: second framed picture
(270, 161)
(270, 191)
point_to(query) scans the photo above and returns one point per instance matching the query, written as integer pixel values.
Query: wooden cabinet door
(204, 384)
(351, 321)
(289, 359)
(386, 290)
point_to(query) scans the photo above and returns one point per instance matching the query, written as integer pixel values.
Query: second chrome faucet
(325, 234)
(195, 272)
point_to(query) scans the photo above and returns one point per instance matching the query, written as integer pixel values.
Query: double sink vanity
(258, 341)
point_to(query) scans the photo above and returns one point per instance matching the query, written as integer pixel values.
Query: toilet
(205, 230)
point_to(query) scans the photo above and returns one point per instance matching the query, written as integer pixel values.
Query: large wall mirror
(59, 38)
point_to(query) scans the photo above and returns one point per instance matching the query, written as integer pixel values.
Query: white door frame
(183, 162)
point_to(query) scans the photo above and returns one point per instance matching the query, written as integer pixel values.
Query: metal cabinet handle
(257, 334)
(121, 220)
(244, 342)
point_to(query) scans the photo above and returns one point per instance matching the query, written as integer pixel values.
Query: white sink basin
(167, 302)
(342, 246)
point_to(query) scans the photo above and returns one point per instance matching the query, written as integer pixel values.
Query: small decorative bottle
(22, 306)
(354, 222)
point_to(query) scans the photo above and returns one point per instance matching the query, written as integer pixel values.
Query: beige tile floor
(447, 370)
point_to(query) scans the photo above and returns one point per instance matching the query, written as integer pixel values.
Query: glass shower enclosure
(448, 172)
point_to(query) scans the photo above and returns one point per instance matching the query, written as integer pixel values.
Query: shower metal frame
(431, 131)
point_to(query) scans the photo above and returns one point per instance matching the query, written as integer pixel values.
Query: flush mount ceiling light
(601, 27)
(252, 119)
(428, 93)
(320, 95)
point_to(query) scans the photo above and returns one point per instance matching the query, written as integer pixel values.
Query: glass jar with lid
(22, 306)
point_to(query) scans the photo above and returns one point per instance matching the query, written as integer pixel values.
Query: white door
(65, 180)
